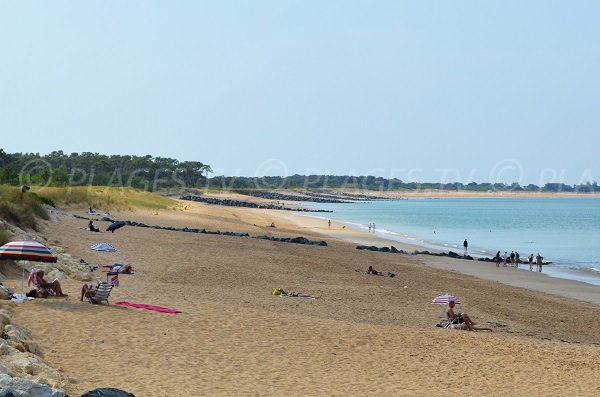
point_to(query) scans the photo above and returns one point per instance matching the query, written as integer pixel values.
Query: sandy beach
(363, 335)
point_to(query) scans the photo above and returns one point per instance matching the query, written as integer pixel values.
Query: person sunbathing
(463, 318)
(118, 268)
(37, 278)
(373, 271)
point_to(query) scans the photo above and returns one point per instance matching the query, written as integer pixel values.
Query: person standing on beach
(517, 259)
(504, 258)
(531, 262)
(373, 227)
(329, 222)
(498, 259)
(512, 258)
(370, 227)
(466, 245)
(539, 259)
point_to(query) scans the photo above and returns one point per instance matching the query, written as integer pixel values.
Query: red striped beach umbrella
(444, 299)
(26, 251)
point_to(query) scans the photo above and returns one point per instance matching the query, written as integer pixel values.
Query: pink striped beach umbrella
(444, 299)
(26, 251)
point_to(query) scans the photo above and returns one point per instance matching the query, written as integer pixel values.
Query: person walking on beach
(498, 259)
(531, 262)
(517, 259)
(539, 259)
(373, 227)
(329, 222)
(504, 258)
(466, 245)
(512, 258)
(370, 227)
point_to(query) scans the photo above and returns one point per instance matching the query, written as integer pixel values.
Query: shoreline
(557, 268)
(515, 277)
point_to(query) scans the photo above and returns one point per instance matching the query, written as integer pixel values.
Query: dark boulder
(107, 392)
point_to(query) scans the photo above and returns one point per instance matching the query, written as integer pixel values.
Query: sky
(425, 91)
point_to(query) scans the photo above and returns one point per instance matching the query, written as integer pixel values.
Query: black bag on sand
(107, 392)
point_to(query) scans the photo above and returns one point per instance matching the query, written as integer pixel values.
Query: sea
(564, 231)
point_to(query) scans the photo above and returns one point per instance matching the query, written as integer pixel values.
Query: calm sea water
(565, 231)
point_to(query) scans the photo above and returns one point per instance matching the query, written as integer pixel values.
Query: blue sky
(498, 91)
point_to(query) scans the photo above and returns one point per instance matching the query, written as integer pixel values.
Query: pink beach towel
(148, 307)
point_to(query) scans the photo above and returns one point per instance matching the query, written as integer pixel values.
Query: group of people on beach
(372, 227)
(514, 259)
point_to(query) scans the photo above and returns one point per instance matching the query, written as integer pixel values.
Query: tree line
(141, 172)
(156, 173)
(381, 184)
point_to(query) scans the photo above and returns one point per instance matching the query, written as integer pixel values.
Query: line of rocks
(353, 196)
(288, 197)
(333, 196)
(449, 254)
(394, 250)
(294, 240)
(247, 204)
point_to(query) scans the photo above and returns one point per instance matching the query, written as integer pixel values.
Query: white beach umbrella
(103, 247)
(444, 299)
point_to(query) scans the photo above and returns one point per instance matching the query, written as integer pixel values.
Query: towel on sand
(148, 307)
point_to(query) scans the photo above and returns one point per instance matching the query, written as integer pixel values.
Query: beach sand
(364, 335)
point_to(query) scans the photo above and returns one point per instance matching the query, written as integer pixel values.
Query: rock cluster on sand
(22, 371)
(294, 240)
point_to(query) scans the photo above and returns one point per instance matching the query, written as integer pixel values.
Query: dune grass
(20, 209)
(103, 198)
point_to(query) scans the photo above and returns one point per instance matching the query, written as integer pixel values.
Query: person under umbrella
(28, 251)
(463, 318)
(37, 278)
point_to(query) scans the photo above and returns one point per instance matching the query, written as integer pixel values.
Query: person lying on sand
(463, 318)
(374, 272)
(121, 269)
(377, 273)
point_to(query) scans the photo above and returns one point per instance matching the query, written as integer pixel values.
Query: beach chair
(447, 323)
(101, 293)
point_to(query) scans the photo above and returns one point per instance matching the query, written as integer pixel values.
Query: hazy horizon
(425, 92)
